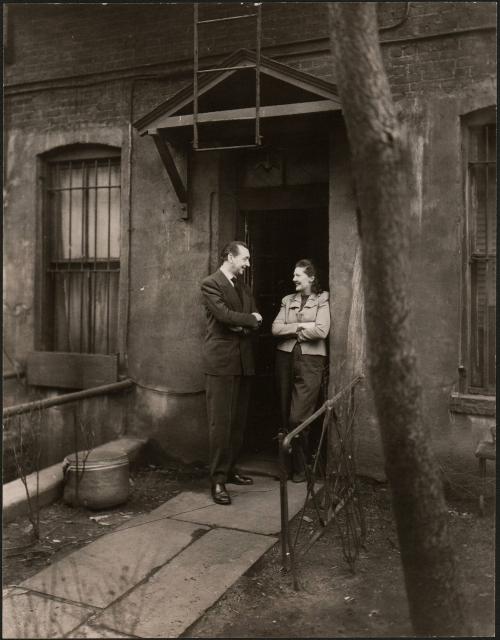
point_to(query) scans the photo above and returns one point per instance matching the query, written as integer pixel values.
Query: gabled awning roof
(227, 110)
(227, 95)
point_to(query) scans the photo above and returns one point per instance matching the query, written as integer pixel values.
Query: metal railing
(45, 403)
(341, 498)
(9, 375)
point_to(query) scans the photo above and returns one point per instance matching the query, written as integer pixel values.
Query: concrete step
(50, 480)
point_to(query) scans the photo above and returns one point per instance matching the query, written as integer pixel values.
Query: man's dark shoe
(220, 494)
(236, 478)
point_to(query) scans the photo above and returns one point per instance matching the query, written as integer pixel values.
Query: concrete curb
(50, 480)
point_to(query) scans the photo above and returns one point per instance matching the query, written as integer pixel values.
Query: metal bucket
(99, 480)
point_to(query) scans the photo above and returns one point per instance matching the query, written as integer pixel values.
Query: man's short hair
(232, 247)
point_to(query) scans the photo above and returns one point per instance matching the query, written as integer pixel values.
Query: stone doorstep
(50, 479)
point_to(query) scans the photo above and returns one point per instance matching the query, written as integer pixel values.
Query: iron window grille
(82, 230)
(481, 206)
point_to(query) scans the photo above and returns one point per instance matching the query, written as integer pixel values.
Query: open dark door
(277, 240)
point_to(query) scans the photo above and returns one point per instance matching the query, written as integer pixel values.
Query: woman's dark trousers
(298, 380)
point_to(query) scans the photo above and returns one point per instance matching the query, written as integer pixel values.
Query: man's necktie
(238, 289)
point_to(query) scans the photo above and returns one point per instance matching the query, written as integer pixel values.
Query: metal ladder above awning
(257, 15)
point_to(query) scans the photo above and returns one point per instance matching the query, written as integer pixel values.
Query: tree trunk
(382, 173)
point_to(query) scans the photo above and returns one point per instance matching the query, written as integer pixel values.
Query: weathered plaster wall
(347, 339)
(169, 257)
(436, 224)
(28, 135)
(69, 79)
(26, 138)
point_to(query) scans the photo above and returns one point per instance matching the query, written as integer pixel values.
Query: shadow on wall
(176, 424)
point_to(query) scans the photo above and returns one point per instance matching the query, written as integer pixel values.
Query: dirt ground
(332, 601)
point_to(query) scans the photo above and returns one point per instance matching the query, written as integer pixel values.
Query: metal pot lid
(96, 456)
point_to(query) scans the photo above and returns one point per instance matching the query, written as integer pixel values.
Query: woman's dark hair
(232, 247)
(312, 271)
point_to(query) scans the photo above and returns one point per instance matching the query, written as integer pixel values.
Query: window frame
(43, 307)
(467, 391)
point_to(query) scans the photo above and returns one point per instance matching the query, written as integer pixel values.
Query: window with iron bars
(481, 267)
(82, 253)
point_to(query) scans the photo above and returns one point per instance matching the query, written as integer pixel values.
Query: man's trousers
(227, 408)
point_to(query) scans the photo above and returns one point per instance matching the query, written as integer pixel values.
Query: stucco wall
(75, 75)
(169, 257)
(436, 227)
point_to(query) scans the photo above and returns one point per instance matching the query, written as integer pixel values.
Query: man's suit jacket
(227, 349)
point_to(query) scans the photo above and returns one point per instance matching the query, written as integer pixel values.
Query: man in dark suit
(229, 364)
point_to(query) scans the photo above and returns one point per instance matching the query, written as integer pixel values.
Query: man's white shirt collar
(229, 276)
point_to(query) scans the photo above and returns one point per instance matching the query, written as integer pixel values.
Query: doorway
(277, 240)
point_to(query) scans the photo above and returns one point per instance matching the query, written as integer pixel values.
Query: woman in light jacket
(303, 323)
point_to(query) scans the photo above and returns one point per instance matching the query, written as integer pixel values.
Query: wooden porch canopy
(290, 100)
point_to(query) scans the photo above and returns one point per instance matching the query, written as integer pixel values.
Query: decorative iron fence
(332, 488)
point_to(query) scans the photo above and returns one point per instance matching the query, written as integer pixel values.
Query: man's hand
(258, 316)
(299, 333)
(236, 329)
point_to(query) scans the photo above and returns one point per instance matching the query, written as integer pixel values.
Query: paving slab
(102, 571)
(31, 615)
(174, 597)
(254, 508)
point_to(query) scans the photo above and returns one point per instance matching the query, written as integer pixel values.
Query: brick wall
(56, 41)
(81, 42)
(72, 107)
(438, 65)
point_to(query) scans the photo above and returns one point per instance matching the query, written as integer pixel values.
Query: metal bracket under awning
(174, 173)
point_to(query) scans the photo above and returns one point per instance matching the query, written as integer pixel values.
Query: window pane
(478, 199)
(69, 222)
(104, 311)
(491, 207)
(483, 315)
(492, 142)
(478, 300)
(482, 225)
(491, 321)
(71, 309)
(104, 212)
(478, 141)
(114, 248)
(84, 220)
